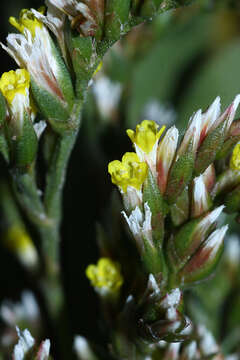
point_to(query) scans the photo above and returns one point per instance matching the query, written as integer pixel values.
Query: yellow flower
(146, 135)
(13, 83)
(27, 21)
(235, 159)
(106, 275)
(130, 172)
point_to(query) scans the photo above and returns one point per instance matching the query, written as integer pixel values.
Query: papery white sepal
(25, 343)
(131, 198)
(165, 155)
(54, 20)
(209, 118)
(215, 240)
(192, 134)
(140, 225)
(200, 199)
(208, 220)
(37, 56)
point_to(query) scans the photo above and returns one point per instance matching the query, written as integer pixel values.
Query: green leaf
(200, 266)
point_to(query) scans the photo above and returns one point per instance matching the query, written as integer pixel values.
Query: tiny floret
(146, 135)
(235, 159)
(105, 276)
(13, 83)
(27, 20)
(128, 172)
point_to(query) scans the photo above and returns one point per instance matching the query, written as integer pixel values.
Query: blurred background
(163, 71)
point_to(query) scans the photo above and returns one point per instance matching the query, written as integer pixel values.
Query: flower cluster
(166, 179)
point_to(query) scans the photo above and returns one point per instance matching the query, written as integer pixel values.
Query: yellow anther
(235, 159)
(106, 275)
(98, 68)
(27, 20)
(130, 172)
(17, 240)
(14, 82)
(146, 135)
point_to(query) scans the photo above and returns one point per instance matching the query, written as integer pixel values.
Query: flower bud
(192, 135)
(201, 201)
(209, 177)
(204, 261)
(188, 239)
(165, 155)
(209, 118)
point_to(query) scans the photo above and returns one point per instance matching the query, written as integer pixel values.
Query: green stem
(54, 187)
